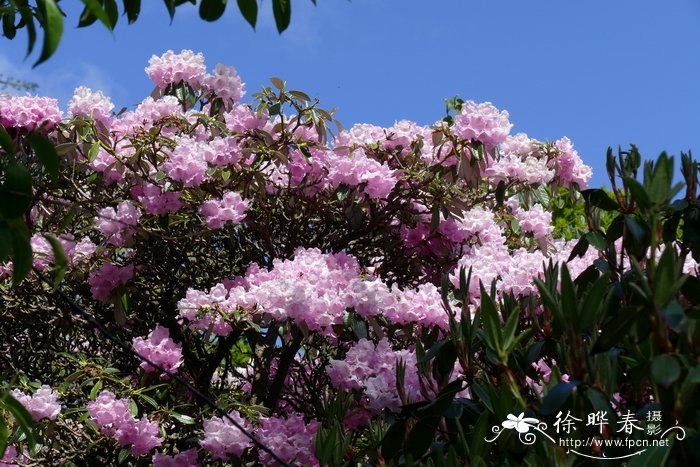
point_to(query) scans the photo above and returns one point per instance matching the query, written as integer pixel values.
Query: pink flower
(118, 226)
(482, 122)
(536, 221)
(171, 68)
(109, 413)
(42, 404)
(230, 208)
(225, 83)
(184, 459)
(142, 435)
(222, 438)
(29, 112)
(291, 439)
(95, 105)
(160, 349)
(186, 163)
(155, 201)
(114, 418)
(569, 167)
(107, 278)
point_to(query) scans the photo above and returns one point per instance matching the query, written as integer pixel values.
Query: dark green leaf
(639, 194)
(556, 397)
(616, 330)
(21, 252)
(60, 260)
(393, 439)
(249, 10)
(53, 28)
(16, 192)
(23, 418)
(6, 141)
(211, 10)
(665, 369)
(282, 10)
(600, 199)
(132, 9)
(675, 317)
(9, 30)
(421, 436)
(597, 240)
(580, 249)
(28, 20)
(46, 152)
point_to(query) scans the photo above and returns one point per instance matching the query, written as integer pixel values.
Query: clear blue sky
(603, 72)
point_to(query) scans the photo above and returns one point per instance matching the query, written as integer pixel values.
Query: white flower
(521, 424)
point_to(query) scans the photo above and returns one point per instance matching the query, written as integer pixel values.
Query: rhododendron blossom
(160, 349)
(42, 404)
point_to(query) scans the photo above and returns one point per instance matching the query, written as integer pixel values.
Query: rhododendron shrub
(343, 295)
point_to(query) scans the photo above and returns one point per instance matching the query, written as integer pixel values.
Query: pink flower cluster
(29, 112)
(155, 201)
(171, 68)
(114, 418)
(536, 221)
(482, 122)
(224, 82)
(290, 438)
(42, 404)
(223, 439)
(373, 370)
(118, 225)
(358, 169)
(187, 458)
(570, 168)
(107, 278)
(95, 105)
(160, 349)
(230, 208)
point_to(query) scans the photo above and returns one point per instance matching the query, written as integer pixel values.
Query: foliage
(372, 295)
(47, 15)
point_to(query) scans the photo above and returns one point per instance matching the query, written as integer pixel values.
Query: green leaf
(600, 199)
(132, 9)
(60, 260)
(123, 455)
(421, 436)
(694, 375)
(491, 322)
(9, 30)
(4, 435)
(46, 152)
(16, 192)
(393, 439)
(665, 369)
(21, 252)
(556, 397)
(53, 28)
(28, 20)
(211, 10)
(615, 330)
(282, 10)
(597, 240)
(6, 142)
(95, 391)
(639, 194)
(23, 418)
(249, 10)
(184, 419)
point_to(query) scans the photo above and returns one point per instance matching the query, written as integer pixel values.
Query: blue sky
(603, 72)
